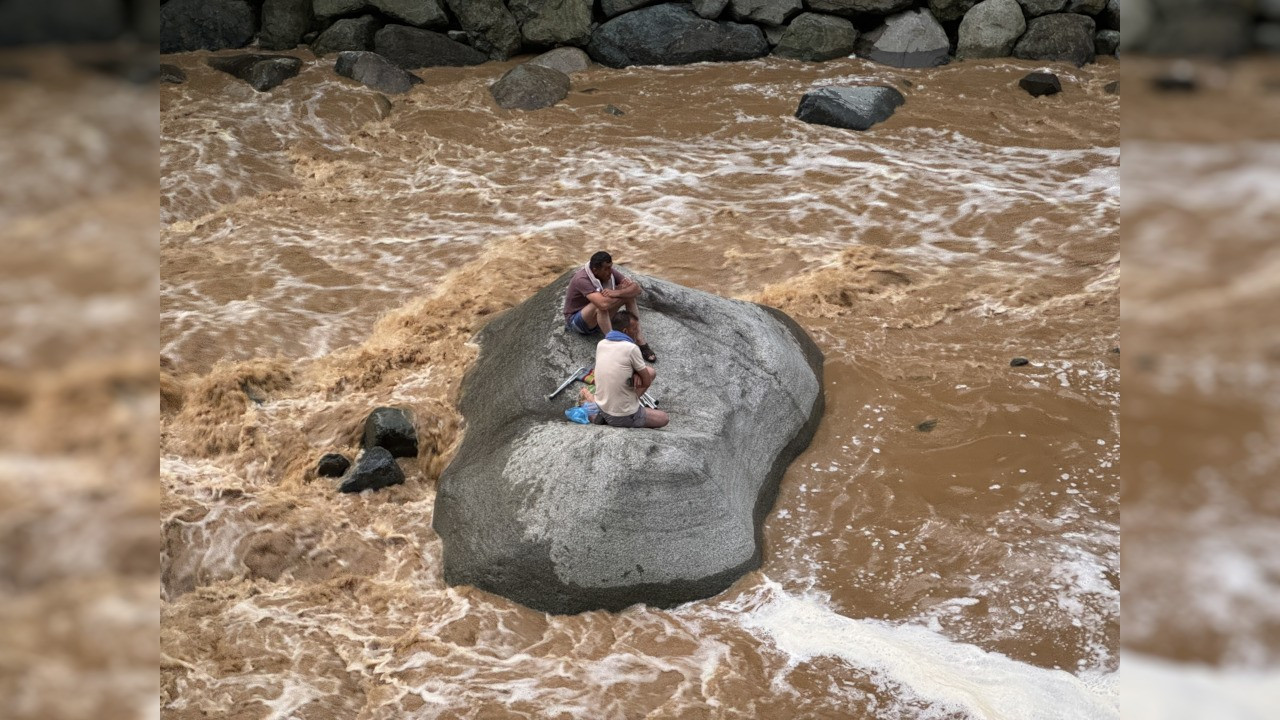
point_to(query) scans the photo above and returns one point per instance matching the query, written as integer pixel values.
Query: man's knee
(656, 419)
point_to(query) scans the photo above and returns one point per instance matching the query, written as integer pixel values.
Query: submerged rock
(853, 108)
(332, 465)
(566, 518)
(262, 72)
(1039, 84)
(1019, 362)
(909, 39)
(392, 429)
(375, 470)
(530, 87)
(673, 35)
(172, 74)
(375, 71)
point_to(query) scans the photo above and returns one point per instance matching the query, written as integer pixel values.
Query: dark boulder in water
(332, 465)
(567, 518)
(375, 71)
(1041, 83)
(1060, 36)
(375, 470)
(392, 429)
(1019, 362)
(172, 74)
(853, 108)
(411, 47)
(530, 87)
(673, 35)
(262, 72)
(187, 25)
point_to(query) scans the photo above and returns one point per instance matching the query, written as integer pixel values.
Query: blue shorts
(578, 325)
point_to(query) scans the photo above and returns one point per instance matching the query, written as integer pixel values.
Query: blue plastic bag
(582, 413)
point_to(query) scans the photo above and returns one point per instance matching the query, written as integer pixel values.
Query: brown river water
(318, 260)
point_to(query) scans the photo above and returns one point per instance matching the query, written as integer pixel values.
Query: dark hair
(599, 259)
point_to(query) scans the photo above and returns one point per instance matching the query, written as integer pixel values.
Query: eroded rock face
(567, 518)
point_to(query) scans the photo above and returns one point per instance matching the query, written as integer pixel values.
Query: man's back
(616, 362)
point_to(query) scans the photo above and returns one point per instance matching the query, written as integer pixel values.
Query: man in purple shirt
(595, 292)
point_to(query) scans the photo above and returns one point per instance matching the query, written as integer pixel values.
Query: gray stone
(490, 26)
(816, 37)
(673, 35)
(373, 70)
(1039, 84)
(1059, 37)
(1112, 88)
(347, 34)
(909, 39)
(262, 72)
(383, 104)
(1106, 42)
(852, 108)
(949, 10)
(773, 34)
(1109, 18)
(1019, 362)
(392, 429)
(419, 13)
(990, 29)
(613, 8)
(614, 110)
(187, 25)
(326, 9)
(411, 47)
(1086, 7)
(1220, 33)
(375, 470)
(25, 22)
(172, 74)
(850, 8)
(566, 518)
(568, 60)
(1036, 8)
(284, 22)
(771, 13)
(710, 9)
(332, 465)
(545, 23)
(530, 87)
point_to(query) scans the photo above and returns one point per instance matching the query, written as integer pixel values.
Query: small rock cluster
(424, 33)
(388, 434)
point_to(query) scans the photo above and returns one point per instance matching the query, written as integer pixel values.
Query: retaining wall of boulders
(421, 33)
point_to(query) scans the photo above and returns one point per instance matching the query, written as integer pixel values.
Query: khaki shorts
(634, 420)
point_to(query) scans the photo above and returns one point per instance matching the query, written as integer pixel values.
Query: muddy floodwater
(947, 547)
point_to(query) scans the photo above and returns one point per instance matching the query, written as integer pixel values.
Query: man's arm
(602, 303)
(625, 290)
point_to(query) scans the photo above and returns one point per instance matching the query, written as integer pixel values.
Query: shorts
(634, 420)
(578, 325)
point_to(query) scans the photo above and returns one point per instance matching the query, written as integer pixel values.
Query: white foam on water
(1158, 689)
(915, 663)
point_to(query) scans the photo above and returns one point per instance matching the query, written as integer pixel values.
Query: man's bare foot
(585, 395)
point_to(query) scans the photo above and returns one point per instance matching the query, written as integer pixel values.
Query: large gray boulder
(772, 13)
(347, 34)
(529, 87)
(568, 60)
(816, 37)
(852, 108)
(949, 10)
(187, 25)
(1106, 42)
(546, 23)
(991, 29)
(372, 70)
(851, 8)
(909, 39)
(1058, 37)
(710, 9)
(566, 518)
(490, 26)
(673, 35)
(262, 72)
(411, 48)
(419, 13)
(1036, 8)
(284, 22)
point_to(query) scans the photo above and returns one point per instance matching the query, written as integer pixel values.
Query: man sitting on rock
(622, 377)
(595, 292)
